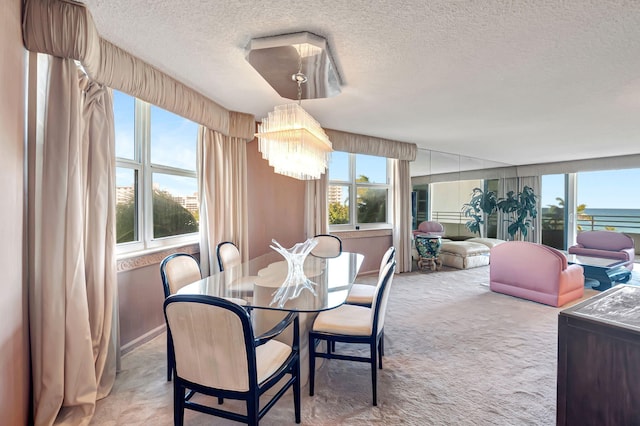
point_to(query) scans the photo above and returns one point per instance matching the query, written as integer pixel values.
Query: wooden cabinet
(599, 360)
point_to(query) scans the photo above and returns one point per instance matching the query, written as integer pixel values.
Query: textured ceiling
(512, 81)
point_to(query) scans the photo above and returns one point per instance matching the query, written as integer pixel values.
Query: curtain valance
(66, 29)
(362, 144)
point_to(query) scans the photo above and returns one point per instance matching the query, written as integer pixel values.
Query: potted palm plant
(481, 204)
(520, 209)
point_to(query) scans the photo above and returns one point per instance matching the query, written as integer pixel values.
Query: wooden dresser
(599, 360)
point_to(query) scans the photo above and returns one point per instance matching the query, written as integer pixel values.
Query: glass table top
(598, 262)
(254, 283)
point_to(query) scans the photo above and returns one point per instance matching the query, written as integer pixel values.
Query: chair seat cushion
(345, 319)
(361, 294)
(269, 357)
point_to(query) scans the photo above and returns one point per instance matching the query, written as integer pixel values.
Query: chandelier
(294, 143)
(289, 138)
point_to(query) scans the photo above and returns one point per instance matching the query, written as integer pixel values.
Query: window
(156, 184)
(365, 176)
(608, 200)
(552, 196)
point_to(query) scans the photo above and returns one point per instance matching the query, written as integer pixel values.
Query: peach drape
(66, 29)
(402, 214)
(72, 284)
(316, 213)
(222, 184)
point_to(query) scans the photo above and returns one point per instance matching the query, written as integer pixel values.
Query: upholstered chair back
(389, 256)
(328, 246)
(430, 227)
(210, 345)
(178, 270)
(605, 240)
(228, 255)
(381, 297)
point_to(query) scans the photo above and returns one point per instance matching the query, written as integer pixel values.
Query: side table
(599, 360)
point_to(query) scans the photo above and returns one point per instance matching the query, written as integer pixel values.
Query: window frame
(143, 178)
(353, 186)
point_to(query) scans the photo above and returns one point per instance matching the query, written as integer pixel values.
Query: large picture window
(366, 178)
(156, 184)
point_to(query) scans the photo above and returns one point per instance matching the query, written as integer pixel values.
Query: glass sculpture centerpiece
(296, 280)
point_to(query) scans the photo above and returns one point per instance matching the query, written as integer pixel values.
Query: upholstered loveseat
(534, 272)
(606, 244)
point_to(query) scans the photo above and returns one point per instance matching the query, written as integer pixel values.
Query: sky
(375, 168)
(612, 189)
(174, 143)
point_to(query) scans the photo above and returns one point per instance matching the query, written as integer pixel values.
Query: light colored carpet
(455, 354)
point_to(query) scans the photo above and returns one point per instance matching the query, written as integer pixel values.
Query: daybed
(535, 272)
(464, 254)
(606, 244)
(489, 242)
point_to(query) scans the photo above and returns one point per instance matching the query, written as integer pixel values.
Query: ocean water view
(621, 220)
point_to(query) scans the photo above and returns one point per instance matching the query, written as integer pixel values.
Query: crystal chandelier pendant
(293, 143)
(290, 139)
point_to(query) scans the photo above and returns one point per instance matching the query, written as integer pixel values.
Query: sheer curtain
(72, 283)
(222, 183)
(316, 214)
(402, 214)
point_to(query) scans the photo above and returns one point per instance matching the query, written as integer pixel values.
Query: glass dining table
(254, 283)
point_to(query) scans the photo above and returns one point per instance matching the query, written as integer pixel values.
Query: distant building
(124, 195)
(334, 194)
(189, 202)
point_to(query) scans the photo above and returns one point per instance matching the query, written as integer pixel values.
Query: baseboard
(150, 335)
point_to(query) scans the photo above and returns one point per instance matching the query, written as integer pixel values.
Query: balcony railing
(621, 223)
(618, 223)
(449, 217)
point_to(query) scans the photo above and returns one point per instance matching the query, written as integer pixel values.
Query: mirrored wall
(443, 183)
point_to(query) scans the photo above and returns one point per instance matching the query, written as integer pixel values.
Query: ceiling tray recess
(279, 58)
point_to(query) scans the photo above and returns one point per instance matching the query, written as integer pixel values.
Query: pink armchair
(534, 272)
(431, 228)
(607, 244)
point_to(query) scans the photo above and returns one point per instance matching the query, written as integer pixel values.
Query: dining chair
(353, 324)
(228, 255)
(362, 294)
(328, 246)
(228, 259)
(217, 354)
(176, 271)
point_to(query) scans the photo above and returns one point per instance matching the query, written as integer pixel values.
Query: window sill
(140, 259)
